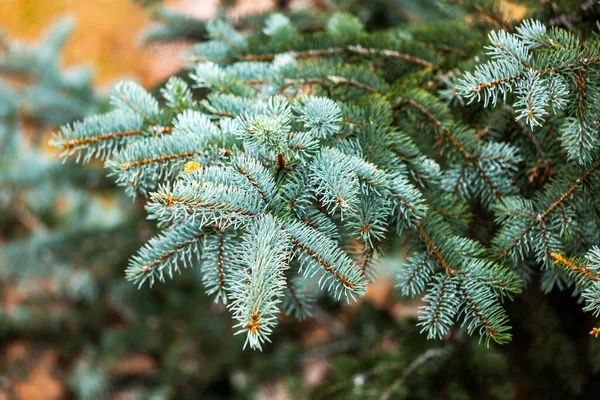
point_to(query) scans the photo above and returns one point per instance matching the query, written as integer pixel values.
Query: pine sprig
(165, 254)
(260, 280)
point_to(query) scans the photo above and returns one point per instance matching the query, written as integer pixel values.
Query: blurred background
(72, 327)
(109, 32)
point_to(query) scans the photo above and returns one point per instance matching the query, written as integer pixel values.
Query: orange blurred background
(107, 32)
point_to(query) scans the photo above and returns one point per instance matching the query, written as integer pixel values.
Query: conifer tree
(315, 131)
(550, 76)
(296, 152)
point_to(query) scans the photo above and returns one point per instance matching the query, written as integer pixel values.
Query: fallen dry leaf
(137, 364)
(40, 384)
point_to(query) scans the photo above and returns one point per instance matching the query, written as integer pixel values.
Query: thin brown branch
(434, 249)
(580, 269)
(212, 206)
(170, 253)
(160, 160)
(335, 80)
(328, 267)
(332, 52)
(539, 218)
(486, 323)
(253, 183)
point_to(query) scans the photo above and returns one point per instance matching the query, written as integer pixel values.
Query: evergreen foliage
(548, 71)
(292, 130)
